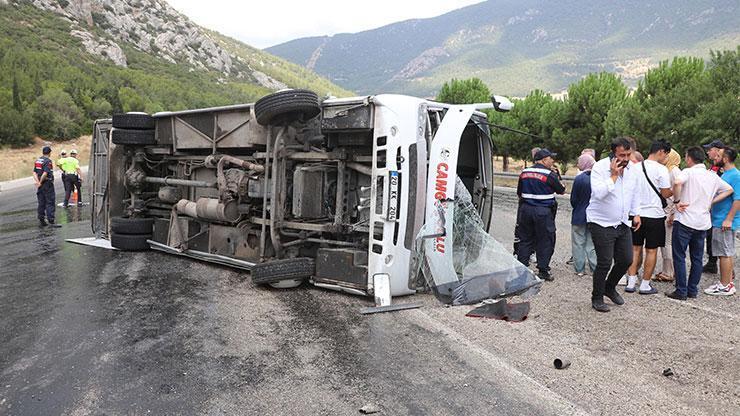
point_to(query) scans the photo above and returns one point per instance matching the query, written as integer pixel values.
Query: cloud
(267, 23)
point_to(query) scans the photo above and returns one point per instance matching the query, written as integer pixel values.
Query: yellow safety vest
(69, 165)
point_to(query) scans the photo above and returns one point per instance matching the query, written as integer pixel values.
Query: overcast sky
(264, 23)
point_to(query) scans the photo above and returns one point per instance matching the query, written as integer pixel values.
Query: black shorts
(651, 233)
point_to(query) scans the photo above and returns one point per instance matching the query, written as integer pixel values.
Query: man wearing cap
(518, 212)
(43, 176)
(536, 189)
(60, 165)
(73, 176)
(714, 151)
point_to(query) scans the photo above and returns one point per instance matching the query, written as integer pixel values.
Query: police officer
(73, 178)
(60, 165)
(536, 189)
(43, 176)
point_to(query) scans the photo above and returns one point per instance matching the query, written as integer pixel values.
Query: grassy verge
(18, 163)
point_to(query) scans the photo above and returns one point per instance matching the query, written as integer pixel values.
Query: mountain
(93, 57)
(519, 45)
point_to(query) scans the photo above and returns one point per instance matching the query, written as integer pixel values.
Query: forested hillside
(685, 101)
(518, 46)
(59, 71)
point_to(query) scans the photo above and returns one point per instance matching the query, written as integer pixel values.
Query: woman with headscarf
(580, 195)
(666, 275)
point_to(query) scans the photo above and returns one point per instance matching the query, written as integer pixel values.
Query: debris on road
(668, 372)
(369, 409)
(510, 312)
(561, 363)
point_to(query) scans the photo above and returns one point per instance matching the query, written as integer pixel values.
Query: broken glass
(481, 267)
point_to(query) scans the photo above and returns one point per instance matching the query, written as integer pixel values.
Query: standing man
(60, 165)
(536, 189)
(518, 213)
(725, 222)
(697, 189)
(43, 176)
(582, 245)
(653, 187)
(608, 219)
(714, 151)
(73, 177)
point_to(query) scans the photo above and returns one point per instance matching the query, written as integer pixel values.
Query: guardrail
(516, 175)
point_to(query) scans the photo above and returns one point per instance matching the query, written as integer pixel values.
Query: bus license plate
(393, 184)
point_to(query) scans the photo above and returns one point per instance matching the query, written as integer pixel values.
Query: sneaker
(545, 276)
(720, 290)
(622, 281)
(580, 274)
(615, 297)
(599, 305)
(675, 295)
(43, 223)
(650, 291)
(570, 260)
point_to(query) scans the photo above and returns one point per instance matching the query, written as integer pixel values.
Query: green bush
(56, 116)
(16, 128)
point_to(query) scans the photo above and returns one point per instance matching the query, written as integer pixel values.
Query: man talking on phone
(612, 188)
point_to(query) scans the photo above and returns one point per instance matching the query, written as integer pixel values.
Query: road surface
(87, 331)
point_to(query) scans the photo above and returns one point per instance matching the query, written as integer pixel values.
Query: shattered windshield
(481, 267)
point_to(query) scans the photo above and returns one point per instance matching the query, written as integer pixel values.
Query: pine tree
(16, 96)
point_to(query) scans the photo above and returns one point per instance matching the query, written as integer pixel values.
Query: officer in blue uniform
(537, 187)
(43, 175)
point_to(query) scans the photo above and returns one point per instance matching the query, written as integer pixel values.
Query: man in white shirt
(697, 189)
(653, 187)
(612, 188)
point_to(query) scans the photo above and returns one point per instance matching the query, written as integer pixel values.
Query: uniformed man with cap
(537, 187)
(60, 165)
(43, 176)
(73, 178)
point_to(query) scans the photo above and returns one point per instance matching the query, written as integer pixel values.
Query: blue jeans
(583, 248)
(685, 237)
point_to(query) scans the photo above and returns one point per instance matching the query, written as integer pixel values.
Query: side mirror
(501, 104)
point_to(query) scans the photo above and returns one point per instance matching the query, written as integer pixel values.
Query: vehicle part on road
(199, 255)
(92, 242)
(130, 242)
(286, 269)
(132, 137)
(131, 226)
(287, 105)
(476, 267)
(391, 308)
(369, 409)
(501, 309)
(561, 363)
(135, 121)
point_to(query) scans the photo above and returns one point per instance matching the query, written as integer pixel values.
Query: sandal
(662, 277)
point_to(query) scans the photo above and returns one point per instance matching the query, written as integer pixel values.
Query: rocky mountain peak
(151, 26)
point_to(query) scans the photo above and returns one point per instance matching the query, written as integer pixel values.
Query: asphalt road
(88, 331)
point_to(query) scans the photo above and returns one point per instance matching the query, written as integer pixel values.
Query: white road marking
(517, 380)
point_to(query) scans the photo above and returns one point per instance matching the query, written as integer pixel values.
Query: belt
(540, 197)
